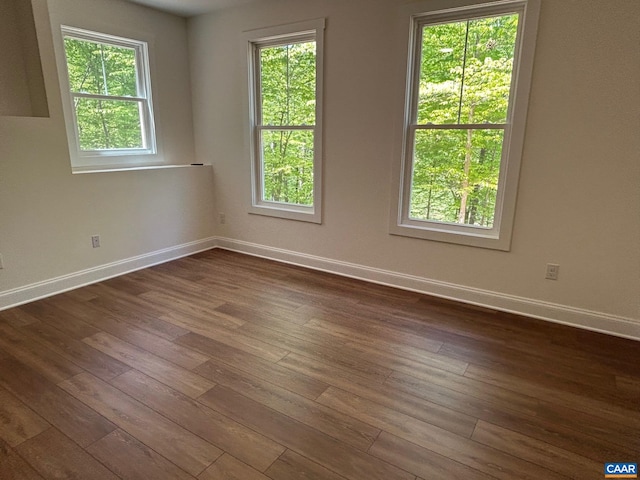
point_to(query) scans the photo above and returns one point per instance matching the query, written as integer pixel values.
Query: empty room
(319, 239)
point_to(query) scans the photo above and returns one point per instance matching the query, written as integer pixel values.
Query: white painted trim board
(552, 312)
(64, 283)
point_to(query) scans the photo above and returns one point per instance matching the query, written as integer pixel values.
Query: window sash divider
(285, 127)
(121, 151)
(461, 126)
(94, 96)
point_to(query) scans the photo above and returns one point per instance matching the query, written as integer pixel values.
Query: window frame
(300, 32)
(121, 158)
(499, 236)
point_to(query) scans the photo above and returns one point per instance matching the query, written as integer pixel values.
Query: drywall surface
(21, 84)
(579, 194)
(48, 215)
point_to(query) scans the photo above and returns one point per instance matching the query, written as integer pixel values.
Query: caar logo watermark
(620, 470)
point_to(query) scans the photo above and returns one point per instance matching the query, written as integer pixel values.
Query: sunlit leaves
(287, 80)
(441, 73)
(465, 76)
(288, 166)
(98, 69)
(108, 124)
(438, 175)
(288, 99)
(466, 70)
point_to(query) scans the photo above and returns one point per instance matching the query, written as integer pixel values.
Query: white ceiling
(189, 8)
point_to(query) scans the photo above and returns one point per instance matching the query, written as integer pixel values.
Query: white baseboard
(576, 317)
(47, 288)
(552, 312)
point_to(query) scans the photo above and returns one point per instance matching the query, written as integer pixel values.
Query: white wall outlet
(223, 218)
(95, 241)
(553, 269)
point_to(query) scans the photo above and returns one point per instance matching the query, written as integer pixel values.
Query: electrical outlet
(1, 262)
(553, 270)
(95, 241)
(223, 218)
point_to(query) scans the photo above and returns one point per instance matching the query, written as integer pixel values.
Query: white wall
(579, 197)
(579, 200)
(47, 214)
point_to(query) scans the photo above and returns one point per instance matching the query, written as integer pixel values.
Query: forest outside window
(286, 120)
(469, 77)
(109, 100)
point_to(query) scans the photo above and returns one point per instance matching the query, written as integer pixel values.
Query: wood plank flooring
(225, 366)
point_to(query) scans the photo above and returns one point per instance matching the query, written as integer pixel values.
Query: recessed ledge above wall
(22, 90)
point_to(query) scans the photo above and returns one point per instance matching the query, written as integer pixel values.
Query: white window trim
(309, 30)
(498, 237)
(83, 161)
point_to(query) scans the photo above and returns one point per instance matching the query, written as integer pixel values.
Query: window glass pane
(466, 69)
(441, 73)
(101, 69)
(288, 84)
(108, 124)
(287, 162)
(489, 68)
(455, 176)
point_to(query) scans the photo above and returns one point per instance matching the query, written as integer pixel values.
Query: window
(110, 115)
(468, 82)
(285, 76)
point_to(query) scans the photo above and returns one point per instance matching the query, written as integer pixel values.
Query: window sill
(81, 170)
(469, 237)
(311, 216)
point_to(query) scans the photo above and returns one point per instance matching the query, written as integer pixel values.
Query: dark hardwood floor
(224, 366)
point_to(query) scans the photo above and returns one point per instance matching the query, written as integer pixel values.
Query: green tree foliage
(104, 70)
(465, 78)
(288, 98)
